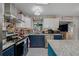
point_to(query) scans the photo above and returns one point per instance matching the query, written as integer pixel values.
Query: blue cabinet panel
(25, 48)
(37, 41)
(51, 51)
(0, 53)
(58, 37)
(9, 51)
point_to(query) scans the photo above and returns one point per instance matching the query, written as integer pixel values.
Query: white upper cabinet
(1, 16)
(7, 8)
(13, 10)
(66, 19)
(51, 23)
(10, 10)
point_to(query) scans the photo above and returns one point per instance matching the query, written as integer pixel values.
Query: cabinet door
(9, 51)
(37, 41)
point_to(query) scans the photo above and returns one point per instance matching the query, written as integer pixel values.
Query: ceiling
(59, 9)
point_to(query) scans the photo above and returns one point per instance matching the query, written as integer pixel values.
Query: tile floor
(37, 52)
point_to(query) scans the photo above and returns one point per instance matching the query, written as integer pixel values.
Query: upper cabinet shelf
(66, 19)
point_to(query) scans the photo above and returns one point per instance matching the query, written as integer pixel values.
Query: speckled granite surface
(7, 45)
(65, 47)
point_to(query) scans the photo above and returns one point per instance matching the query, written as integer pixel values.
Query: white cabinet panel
(13, 10)
(9, 9)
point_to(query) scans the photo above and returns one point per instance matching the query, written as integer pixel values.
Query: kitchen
(30, 29)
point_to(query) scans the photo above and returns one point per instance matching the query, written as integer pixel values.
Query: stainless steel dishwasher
(19, 47)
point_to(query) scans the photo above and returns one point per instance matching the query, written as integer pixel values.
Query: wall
(76, 28)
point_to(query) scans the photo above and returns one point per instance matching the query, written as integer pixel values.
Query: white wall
(76, 28)
(51, 23)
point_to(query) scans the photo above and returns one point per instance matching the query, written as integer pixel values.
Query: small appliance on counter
(50, 31)
(11, 36)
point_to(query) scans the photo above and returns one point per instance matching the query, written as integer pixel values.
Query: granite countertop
(65, 47)
(6, 45)
(9, 43)
(45, 34)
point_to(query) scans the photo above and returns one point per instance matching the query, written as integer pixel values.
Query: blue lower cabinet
(9, 51)
(58, 37)
(51, 51)
(0, 53)
(37, 41)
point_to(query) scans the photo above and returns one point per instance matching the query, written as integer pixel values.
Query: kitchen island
(63, 47)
